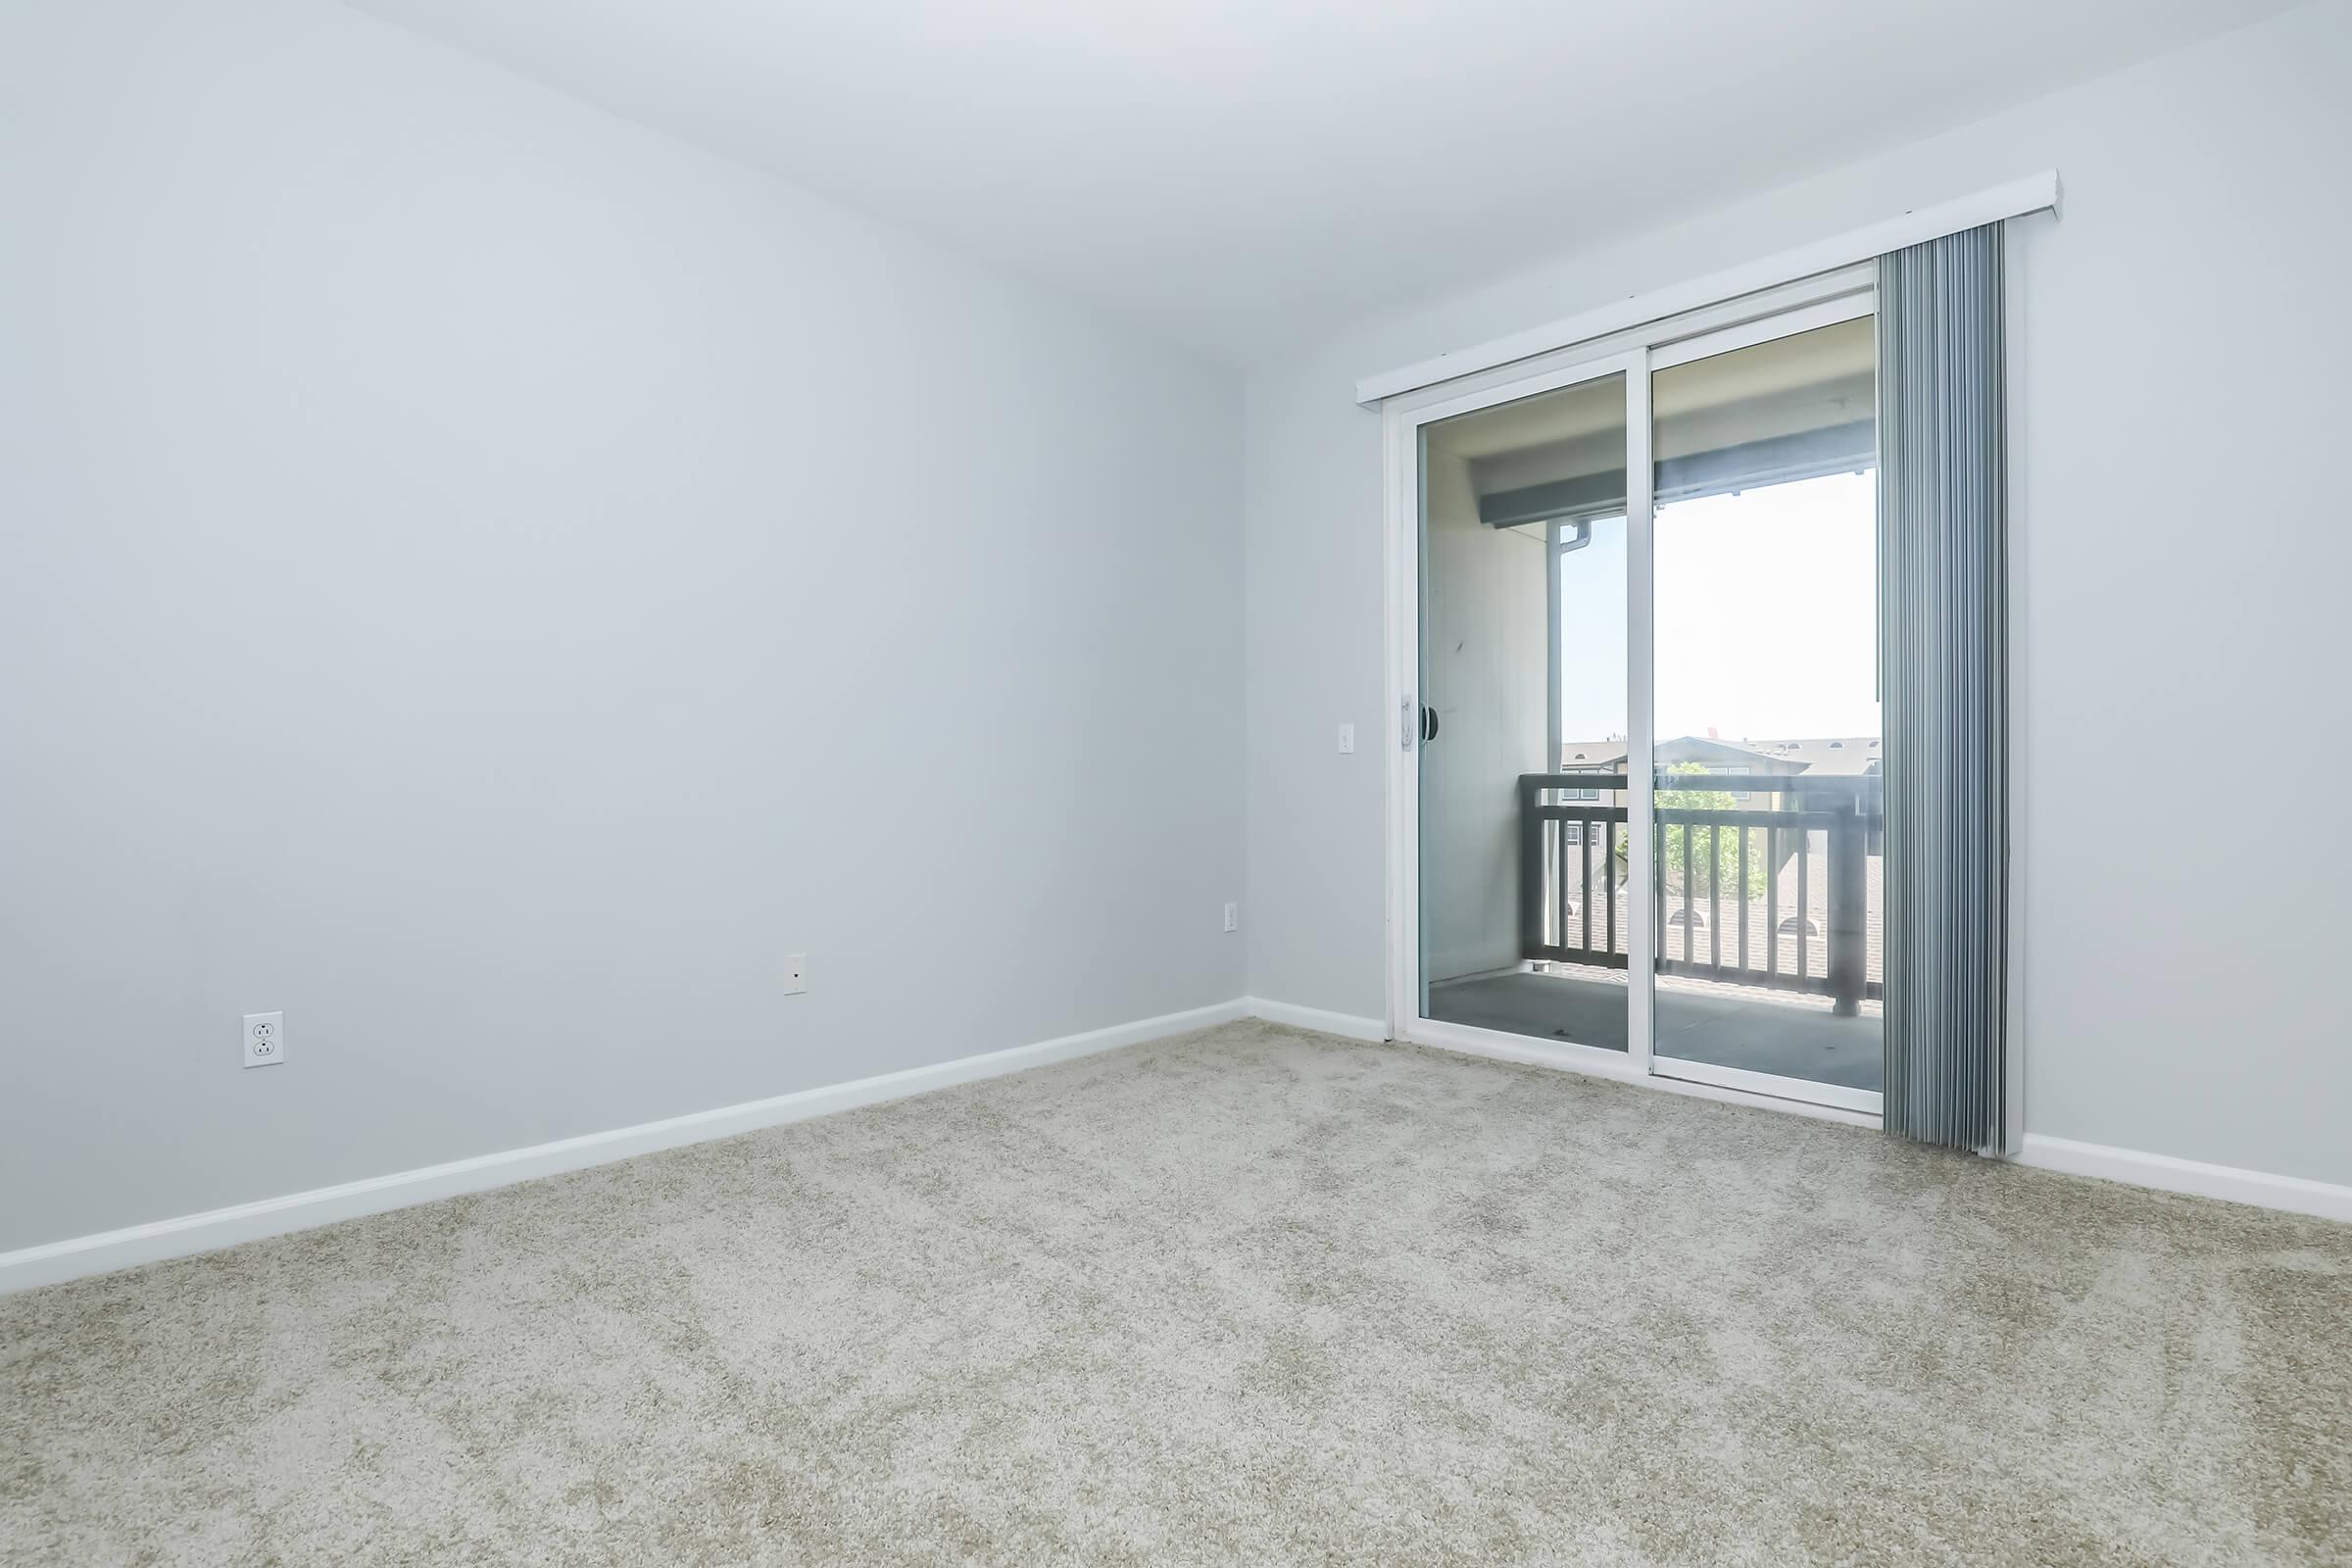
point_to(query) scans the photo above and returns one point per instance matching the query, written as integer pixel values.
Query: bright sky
(1766, 618)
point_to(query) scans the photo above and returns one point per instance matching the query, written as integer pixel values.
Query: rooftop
(1835, 753)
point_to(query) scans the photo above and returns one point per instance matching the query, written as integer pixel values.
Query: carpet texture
(1250, 1296)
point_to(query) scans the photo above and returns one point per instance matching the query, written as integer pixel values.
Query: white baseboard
(1346, 1024)
(2296, 1195)
(79, 1256)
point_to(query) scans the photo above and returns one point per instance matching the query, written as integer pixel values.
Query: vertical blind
(1944, 678)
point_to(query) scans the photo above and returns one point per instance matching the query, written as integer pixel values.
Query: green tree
(1682, 847)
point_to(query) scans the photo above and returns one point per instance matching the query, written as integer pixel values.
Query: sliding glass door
(1643, 776)
(1766, 764)
(1526, 913)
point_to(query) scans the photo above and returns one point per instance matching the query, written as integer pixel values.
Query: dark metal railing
(1569, 851)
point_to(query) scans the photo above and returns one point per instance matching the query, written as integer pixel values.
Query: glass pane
(1770, 815)
(1524, 906)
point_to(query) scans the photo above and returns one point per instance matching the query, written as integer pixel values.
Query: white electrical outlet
(1233, 918)
(1346, 740)
(264, 1039)
(796, 974)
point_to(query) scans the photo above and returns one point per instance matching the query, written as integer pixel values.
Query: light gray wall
(2184, 336)
(491, 581)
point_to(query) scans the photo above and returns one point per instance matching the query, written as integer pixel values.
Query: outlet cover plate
(264, 1039)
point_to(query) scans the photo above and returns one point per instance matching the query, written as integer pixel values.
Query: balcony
(1768, 931)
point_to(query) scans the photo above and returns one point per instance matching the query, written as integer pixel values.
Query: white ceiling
(1246, 176)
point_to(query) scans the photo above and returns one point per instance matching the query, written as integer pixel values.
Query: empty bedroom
(1174, 783)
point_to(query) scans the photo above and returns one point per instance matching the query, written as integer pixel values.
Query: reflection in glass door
(1769, 815)
(1527, 913)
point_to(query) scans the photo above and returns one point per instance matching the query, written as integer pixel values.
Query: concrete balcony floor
(1786, 1033)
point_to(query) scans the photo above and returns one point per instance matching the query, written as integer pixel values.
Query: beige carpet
(1251, 1295)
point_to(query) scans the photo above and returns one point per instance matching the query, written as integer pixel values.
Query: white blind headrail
(2034, 193)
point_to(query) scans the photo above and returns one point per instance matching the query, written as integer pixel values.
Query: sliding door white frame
(1857, 298)
(1401, 422)
(1798, 306)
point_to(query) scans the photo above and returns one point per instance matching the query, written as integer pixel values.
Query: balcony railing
(1786, 940)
